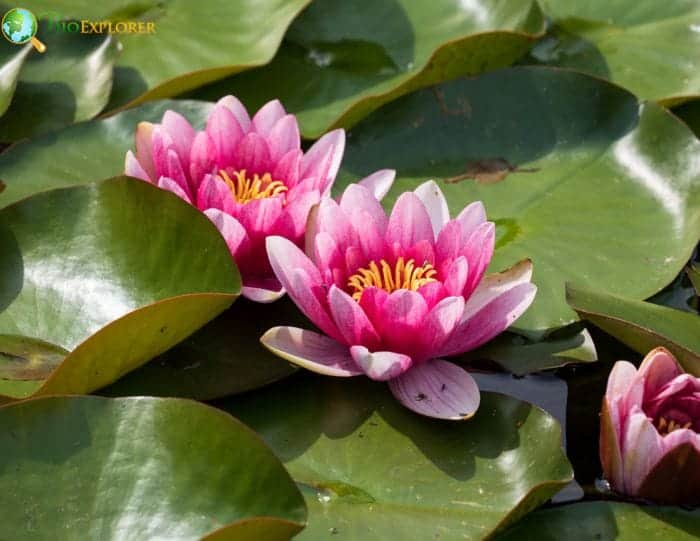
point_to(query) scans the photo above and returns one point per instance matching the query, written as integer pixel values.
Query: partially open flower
(249, 176)
(395, 294)
(650, 430)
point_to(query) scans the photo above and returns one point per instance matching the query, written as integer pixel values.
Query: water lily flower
(650, 430)
(394, 294)
(249, 176)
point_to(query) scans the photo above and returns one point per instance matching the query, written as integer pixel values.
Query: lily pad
(607, 521)
(641, 325)
(224, 357)
(651, 48)
(341, 60)
(139, 468)
(11, 60)
(69, 83)
(521, 356)
(694, 275)
(104, 276)
(83, 153)
(595, 189)
(370, 469)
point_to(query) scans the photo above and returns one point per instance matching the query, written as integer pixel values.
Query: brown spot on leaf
(464, 107)
(489, 171)
(23, 358)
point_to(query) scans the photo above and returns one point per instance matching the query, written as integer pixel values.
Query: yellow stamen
(246, 189)
(403, 275)
(666, 427)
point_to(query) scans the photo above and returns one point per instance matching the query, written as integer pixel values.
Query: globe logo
(19, 26)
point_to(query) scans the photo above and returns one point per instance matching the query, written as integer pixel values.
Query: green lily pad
(115, 273)
(641, 325)
(694, 275)
(576, 175)
(83, 153)
(139, 468)
(370, 469)
(70, 82)
(521, 356)
(651, 48)
(607, 521)
(11, 60)
(224, 357)
(341, 60)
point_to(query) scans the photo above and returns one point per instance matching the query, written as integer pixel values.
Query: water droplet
(602, 486)
(322, 59)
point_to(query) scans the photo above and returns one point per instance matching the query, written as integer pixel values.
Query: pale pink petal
(456, 276)
(331, 219)
(449, 243)
(181, 133)
(380, 365)
(357, 198)
(283, 137)
(162, 143)
(271, 291)
(170, 185)
(144, 148)
(438, 389)
(658, 368)
(351, 320)
(479, 249)
(370, 234)
(496, 284)
(310, 350)
(133, 168)
(472, 217)
(253, 155)
(439, 324)
(267, 116)
(292, 220)
(231, 229)
(202, 158)
(642, 448)
(327, 257)
(435, 203)
(214, 193)
(331, 144)
(619, 381)
(225, 134)
(379, 183)
(491, 320)
(409, 222)
(678, 437)
(239, 111)
(174, 171)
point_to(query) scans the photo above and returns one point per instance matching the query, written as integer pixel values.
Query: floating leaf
(642, 325)
(103, 274)
(139, 468)
(370, 469)
(69, 83)
(607, 521)
(341, 60)
(224, 357)
(651, 48)
(607, 193)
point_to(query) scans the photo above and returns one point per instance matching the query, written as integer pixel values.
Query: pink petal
(357, 198)
(491, 320)
(351, 320)
(283, 137)
(472, 217)
(658, 368)
(162, 143)
(496, 284)
(641, 450)
(370, 234)
(409, 222)
(380, 365)
(174, 171)
(331, 219)
(170, 185)
(292, 220)
(379, 183)
(310, 350)
(287, 168)
(327, 257)
(259, 216)
(269, 291)
(267, 116)
(619, 381)
(479, 249)
(202, 158)
(438, 389)
(239, 111)
(231, 229)
(133, 168)
(402, 320)
(435, 203)
(253, 155)
(144, 148)
(181, 133)
(331, 145)
(225, 134)
(372, 302)
(302, 280)
(456, 276)
(440, 323)
(214, 193)
(449, 242)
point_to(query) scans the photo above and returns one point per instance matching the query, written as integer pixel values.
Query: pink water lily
(249, 176)
(650, 430)
(394, 294)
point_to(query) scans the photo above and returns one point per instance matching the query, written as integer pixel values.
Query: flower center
(246, 189)
(402, 275)
(666, 427)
